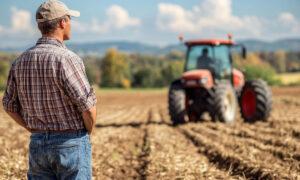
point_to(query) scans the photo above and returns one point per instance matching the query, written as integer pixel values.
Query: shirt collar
(47, 40)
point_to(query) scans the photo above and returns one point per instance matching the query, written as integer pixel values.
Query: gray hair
(48, 27)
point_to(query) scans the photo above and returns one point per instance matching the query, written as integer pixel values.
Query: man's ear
(62, 23)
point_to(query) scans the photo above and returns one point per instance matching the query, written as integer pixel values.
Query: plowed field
(134, 139)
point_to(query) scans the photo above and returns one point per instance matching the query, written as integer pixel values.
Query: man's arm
(89, 117)
(10, 100)
(76, 85)
(17, 117)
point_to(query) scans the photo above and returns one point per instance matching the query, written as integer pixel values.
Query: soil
(134, 139)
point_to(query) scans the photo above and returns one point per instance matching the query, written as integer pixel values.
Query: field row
(134, 139)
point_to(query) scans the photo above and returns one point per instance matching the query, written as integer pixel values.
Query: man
(48, 94)
(205, 62)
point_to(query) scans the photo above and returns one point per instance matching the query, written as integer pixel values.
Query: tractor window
(223, 65)
(199, 57)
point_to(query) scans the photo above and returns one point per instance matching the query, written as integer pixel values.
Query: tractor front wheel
(176, 101)
(255, 101)
(225, 103)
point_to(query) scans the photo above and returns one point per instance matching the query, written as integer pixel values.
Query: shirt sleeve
(10, 99)
(76, 84)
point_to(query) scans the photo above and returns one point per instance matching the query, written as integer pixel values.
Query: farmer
(48, 93)
(205, 62)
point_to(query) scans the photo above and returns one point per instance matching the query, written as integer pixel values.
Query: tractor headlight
(202, 81)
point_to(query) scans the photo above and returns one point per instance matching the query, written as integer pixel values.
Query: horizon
(147, 44)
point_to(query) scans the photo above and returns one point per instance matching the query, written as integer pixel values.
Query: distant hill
(129, 47)
(283, 44)
(99, 48)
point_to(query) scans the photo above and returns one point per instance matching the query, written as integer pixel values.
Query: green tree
(172, 71)
(114, 67)
(92, 65)
(175, 55)
(147, 77)
(279, 61)
(4, 70)
(90, 75)
(260, 72)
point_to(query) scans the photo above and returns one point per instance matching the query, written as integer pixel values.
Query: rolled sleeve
(10, 99)
(76, 84)
(88, 102)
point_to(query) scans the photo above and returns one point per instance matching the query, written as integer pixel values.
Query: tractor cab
(209, 61)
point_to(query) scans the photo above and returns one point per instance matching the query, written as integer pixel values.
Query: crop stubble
(134, 139)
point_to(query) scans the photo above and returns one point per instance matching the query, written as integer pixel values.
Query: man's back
(47, 99)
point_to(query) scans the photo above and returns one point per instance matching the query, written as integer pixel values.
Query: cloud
(175, 18)
(119, 18)
(21, 20)
(289, 21)
(210, 16)
(116, 18)
(287, 18)
(20, 23)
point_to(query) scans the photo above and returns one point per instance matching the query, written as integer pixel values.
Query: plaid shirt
(48, 86)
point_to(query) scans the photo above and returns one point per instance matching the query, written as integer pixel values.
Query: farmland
(289, 78)
(134, 139)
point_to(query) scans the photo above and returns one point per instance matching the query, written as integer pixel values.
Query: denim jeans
(60, 156)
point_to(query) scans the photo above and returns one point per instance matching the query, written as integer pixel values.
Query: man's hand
(89, 117)
(17, 117)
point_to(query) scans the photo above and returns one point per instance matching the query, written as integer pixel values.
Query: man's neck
(59, 38)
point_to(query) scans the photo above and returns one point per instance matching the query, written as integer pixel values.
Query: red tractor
(210, 84)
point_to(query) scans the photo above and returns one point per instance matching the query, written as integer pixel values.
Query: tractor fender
(238, 78)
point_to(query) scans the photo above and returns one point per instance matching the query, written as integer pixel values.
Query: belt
(55, 131)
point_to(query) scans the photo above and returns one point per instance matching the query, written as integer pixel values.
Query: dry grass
(289, 78)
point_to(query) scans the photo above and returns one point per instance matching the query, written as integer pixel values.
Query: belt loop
(47, 135)
(78, 133)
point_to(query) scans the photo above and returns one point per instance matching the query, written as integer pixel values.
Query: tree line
(119, 70)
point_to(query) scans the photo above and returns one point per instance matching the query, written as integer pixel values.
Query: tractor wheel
(225, 103)
(255, 101)
(177, 109)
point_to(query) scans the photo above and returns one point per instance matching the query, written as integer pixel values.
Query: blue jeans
(60, 156)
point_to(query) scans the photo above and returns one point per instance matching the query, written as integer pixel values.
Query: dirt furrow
(113, 115)
(258, 152)
(143, 156)
(242, 131)
(275, 130)
(164, 115)
(280, 152)
(129, 116)
(115, 152)
(118, 150)
(145, 149)
(175, 157)
(240, 162)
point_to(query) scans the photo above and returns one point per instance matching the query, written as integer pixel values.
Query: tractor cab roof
(212, 42)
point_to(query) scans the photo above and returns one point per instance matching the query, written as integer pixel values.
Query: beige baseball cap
(53, 9)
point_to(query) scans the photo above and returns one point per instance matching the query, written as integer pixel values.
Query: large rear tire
(225, 103)
(176, 101)
(255, 101)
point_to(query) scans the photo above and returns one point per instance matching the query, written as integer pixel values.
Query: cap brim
(74, 13)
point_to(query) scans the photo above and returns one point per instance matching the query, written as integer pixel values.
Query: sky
(157, 22)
